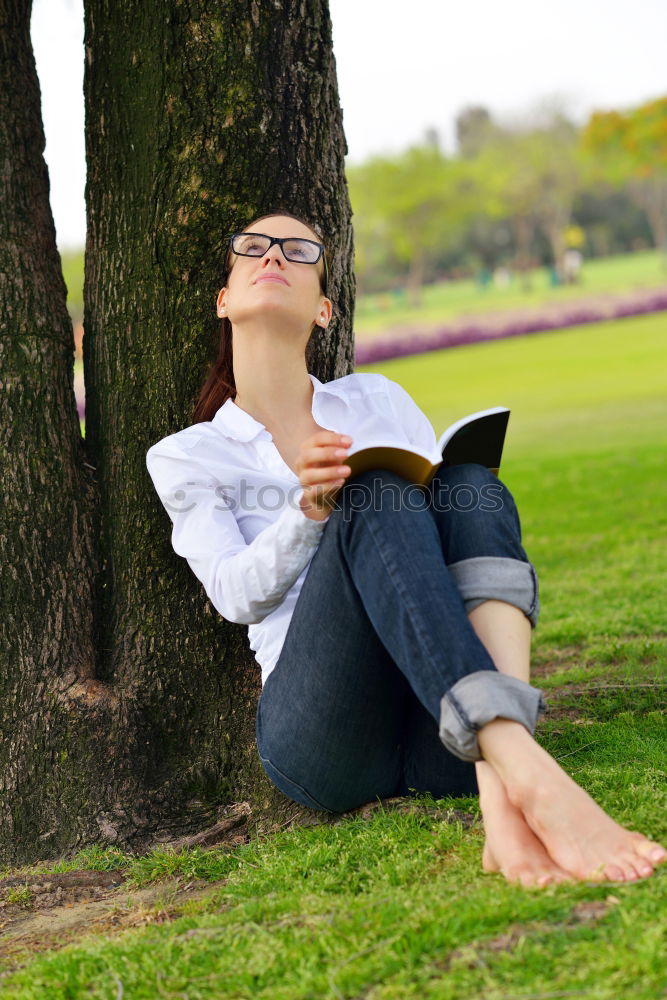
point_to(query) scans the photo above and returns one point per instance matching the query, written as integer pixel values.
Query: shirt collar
(236, 423)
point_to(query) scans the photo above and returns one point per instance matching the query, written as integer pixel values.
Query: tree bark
(651, 194)
(523, 226)
(49, 753)
(199, 116)
(555, 222)
(128, 705)
(416, 273)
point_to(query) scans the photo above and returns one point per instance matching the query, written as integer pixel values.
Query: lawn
(447, 301)
(394, 904)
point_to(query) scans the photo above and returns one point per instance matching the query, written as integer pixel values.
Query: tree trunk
(651, 195)
(127, 704)
(199, 116)
(554, 224)
(49, 746)
(524, 227)
(416, 273)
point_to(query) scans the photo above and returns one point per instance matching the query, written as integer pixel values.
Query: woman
(393, 639)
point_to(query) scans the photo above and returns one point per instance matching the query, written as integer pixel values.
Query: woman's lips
(270, 277)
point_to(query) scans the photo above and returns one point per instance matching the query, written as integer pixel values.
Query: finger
(317, 475)
(324, 438)
(334, 463)
(322, 456)
(327, 437)
(320, 490)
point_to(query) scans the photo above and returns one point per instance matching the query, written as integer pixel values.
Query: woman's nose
(273, 253)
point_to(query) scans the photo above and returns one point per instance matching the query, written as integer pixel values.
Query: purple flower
(415, 342)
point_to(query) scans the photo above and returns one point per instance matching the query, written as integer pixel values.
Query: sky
(400, 74)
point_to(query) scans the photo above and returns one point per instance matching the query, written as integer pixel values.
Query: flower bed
(384, 348)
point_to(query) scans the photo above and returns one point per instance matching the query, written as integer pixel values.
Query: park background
(393, 903)
(481, 180)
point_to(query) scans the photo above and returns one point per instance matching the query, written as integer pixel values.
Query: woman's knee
(478, 523)
(471, 498)
(470, 488)
(380, 490)
(465, 488)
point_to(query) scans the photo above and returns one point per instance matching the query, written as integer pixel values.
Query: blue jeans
(382, 683)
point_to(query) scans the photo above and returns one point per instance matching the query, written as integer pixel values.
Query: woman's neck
(276, 391)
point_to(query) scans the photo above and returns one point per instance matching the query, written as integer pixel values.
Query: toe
(535, 880)
(642, 867)
(650, 851)
(514, 873)
(630, 870)
(541, 879)
(562, 876)
(613, 873)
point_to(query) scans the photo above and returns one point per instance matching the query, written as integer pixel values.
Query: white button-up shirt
(234, 502)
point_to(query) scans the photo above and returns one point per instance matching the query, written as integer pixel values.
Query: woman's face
(273, 285)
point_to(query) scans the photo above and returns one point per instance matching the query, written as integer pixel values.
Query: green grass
(446, 301)
(396, 905)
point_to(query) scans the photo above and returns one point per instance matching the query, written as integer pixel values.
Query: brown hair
(219, 385)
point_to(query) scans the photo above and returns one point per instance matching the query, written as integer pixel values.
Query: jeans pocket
(290, 788)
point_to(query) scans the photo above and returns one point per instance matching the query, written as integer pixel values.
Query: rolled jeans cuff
(477, 699)
(499, 578)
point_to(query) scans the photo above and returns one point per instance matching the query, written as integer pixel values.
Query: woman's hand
(320, 472)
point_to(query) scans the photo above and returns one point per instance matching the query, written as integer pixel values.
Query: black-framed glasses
(294, 248)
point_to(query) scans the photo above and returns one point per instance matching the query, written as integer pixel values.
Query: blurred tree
(487, 240)
(475, 129)
(507, 188)
(127, 705)
(560, 169)
(611, 218)
(509, 196)
(410, 205)
(531, 174)
(432, 138)
(630, 148)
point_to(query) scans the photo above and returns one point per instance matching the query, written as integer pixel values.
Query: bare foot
(578, 835)
(511, 847)
(521, 864)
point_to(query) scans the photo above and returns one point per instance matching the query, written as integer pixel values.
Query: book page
(413, 465)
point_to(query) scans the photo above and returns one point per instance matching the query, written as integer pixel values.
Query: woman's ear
(221, 304)
(324, 312)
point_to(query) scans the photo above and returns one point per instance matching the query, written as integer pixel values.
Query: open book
(478, 438)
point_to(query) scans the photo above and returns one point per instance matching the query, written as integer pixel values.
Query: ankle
(502, 739)
(511, 751)
(491, 789)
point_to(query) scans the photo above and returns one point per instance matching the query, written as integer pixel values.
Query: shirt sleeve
(415, 423)
(244, 582)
